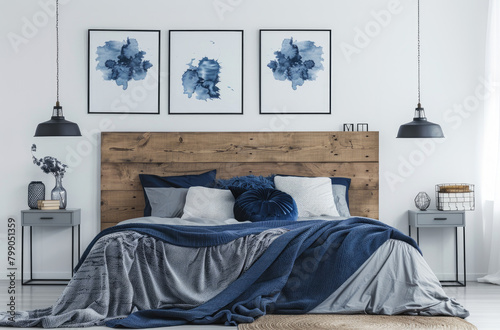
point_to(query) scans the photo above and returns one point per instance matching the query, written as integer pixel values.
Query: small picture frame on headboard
(362, 127)
(348, 127)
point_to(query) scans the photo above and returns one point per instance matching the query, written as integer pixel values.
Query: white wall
(375, 84)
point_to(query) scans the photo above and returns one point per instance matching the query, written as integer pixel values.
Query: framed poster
(295, 72)
(124, 71)
(205, 72)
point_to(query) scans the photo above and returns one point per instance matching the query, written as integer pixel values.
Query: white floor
(482, 301)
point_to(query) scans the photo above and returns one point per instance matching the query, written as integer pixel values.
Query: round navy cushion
(265, 204)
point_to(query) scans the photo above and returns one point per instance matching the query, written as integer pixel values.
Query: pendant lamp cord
(418, 49)
(57, 51)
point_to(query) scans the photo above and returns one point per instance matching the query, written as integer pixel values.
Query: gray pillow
(167, 202)
(340, 201)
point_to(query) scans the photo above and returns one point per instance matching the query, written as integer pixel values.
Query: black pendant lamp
(420, 127)
(57, 125)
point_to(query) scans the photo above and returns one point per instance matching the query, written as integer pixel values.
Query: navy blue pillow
(182, 181)
(248, 182)
(237, 191)
(264, 204)
(345, 182)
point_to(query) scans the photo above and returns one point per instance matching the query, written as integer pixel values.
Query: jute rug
(331, 321)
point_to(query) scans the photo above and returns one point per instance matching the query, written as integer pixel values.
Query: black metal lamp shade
(57, 125)
(420, 127)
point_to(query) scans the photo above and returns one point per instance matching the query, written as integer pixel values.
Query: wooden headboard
(124, 155)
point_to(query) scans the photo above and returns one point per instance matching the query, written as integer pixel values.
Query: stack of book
(49, 205)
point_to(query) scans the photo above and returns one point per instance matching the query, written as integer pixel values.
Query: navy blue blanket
(300, 269)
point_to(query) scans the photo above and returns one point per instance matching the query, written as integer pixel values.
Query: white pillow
(314, 196)
(208, 203)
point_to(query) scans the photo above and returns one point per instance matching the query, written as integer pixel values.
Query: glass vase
(59, 193)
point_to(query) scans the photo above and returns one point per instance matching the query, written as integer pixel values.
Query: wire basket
(455, 197)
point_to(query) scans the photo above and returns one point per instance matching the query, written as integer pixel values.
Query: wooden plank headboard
(124, 155)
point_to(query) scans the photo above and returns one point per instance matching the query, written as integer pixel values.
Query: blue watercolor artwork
(122, 61)
(202, 79)
(297, 61)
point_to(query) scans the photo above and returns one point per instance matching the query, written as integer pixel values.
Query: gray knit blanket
(126, 272)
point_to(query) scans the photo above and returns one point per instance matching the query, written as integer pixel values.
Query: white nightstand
(441, 219)
(49, 218)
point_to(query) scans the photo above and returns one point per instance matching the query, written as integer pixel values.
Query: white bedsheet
(206, 222)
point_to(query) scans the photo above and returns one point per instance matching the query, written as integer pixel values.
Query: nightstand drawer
(437, 219)
(49, 218)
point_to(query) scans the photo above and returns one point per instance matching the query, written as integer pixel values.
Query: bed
(161, 271)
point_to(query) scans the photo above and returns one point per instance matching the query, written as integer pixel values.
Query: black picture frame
(111, 91)
(188, 48)
(307, 96)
